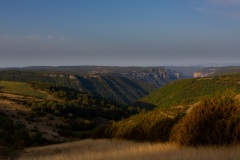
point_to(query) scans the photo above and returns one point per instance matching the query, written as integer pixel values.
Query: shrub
(213, 122)
(153, 127)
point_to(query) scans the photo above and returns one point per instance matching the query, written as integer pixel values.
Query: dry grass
(125, 150)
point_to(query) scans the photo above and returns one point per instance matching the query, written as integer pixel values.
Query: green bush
(213, 122)
(152, 126)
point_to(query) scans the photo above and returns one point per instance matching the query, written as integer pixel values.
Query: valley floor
(125, 150)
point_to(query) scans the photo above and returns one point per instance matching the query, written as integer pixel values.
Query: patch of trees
(74, 109)
(119, 89)
(57, 91)
(78, 103)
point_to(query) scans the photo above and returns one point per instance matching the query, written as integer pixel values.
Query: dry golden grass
(125, 150)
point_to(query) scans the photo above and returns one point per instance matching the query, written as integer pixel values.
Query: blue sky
(119, 32)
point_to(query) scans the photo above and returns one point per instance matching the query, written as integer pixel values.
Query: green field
(20, 88)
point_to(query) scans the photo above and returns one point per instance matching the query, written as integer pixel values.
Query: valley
(50, 107)
(123, 85)
(119, 80)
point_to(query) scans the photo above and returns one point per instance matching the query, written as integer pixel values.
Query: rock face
(205, 72)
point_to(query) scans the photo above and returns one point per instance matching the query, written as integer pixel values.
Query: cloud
(27, 38)
(224, 8)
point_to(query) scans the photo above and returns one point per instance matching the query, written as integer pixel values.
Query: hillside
(20, 88)
(44, 113)
(174, 102)
(119, 89)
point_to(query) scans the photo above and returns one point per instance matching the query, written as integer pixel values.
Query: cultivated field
(20, 88)
(125, 150)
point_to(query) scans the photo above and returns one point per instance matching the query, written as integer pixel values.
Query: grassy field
(20, 88)
(125, 150)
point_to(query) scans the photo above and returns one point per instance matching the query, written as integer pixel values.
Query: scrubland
(127, 150)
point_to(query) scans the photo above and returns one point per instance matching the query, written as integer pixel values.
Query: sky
(118, 32)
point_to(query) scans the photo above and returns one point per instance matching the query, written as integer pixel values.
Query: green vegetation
(77, 103)
(82, 112)
(187, 91)
(119, 89)
(20, 88)
(214, 121)
(114, 88)
(152, 126)
(179, 109)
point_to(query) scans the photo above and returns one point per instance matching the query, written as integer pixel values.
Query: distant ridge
(213, 71)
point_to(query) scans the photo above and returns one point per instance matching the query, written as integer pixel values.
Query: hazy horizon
(119, 33)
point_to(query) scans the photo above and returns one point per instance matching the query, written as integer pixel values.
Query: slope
(70, 114)
(188, 91)
(173, 103)
(120, 89)
(20, 88)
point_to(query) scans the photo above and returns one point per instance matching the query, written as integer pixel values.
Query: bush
(213, 122)
(147, 127)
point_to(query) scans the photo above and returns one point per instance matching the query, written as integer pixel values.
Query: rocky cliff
(155, 76)
(205, 72)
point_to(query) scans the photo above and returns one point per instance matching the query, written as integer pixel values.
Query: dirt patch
(47, 125)
(19, 97)
(50, 97)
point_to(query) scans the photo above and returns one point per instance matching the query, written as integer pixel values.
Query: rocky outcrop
(205, 72)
